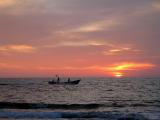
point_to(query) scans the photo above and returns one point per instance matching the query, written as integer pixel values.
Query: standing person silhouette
(58, 79)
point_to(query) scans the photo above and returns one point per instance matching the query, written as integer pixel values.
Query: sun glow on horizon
(118, 74)
(118, 70)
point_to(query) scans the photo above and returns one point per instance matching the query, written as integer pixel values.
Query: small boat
(75, 82)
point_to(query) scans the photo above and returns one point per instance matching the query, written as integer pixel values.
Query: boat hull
(75, 82)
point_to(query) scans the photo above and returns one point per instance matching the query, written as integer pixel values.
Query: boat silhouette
(74, 82)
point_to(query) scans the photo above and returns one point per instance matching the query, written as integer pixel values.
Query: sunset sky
(111, 38)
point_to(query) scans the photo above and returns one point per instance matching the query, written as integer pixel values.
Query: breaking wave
(12, 105)
(51, 115)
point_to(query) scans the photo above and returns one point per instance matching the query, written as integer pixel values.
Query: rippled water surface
(114, 95)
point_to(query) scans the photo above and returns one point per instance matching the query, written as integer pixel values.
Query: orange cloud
(97, 26)
(78, 43)
(17, 48)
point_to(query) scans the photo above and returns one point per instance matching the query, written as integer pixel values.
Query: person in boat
(69, 80)
(58, 79)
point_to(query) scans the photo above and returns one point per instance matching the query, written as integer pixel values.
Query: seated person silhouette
(69, 80)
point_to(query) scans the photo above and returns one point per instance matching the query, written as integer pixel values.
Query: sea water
(93, 98)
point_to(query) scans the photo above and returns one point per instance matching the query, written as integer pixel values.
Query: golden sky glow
(115, 38)
(131, 66)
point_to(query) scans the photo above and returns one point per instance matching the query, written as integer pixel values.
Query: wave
(11, 84)
(4, 84)
(51, 115)
(12, 105)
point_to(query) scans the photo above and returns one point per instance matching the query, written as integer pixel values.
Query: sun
(118, 74)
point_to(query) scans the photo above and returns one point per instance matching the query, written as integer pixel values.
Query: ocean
(93, 98)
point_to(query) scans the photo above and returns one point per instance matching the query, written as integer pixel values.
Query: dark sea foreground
(92, 98)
